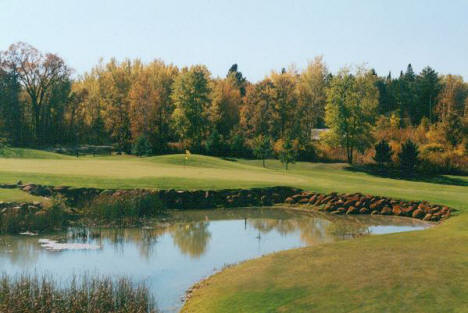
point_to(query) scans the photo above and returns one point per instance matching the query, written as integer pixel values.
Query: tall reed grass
(84, 294)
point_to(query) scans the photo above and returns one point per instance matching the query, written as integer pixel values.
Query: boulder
(427, 217)
(387, 211)
(289, 200)
(396, 210)
(352, 210)
(418, 213)
(364, 211)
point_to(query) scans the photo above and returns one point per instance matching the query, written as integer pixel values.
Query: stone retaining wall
(358, 203)
(334, 203)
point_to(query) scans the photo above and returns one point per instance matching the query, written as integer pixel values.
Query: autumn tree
(350, 111)
(257, 111)
(312, 96)
(151, 105)
(285, 100)
(225, 106)
(114, 83)
(191, 100)
(452, 98)
(44, 78)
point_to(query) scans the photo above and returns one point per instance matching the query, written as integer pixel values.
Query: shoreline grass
(33, 293)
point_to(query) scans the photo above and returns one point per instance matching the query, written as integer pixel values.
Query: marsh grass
(33, 293)
(53, 217)
(127, 208)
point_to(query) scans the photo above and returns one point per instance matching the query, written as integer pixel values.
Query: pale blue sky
(258, 35)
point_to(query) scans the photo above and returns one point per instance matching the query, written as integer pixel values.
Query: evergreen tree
(383, 153)
(142, 146)
(408, 157)
(214, 144)
(428, 87)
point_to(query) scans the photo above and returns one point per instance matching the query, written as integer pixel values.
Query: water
(178, 251)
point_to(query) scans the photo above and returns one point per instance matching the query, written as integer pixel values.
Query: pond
(179, 250)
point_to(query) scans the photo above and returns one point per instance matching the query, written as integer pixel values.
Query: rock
(352, 210)
(407, 211)
(364, 211)
(303, 201)
(418, 213)
(396, 210)
(386, 211)
(375, 212)
(289, 200)
(427, 217)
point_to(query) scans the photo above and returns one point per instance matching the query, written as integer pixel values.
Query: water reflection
(173, 253)
(191, 235)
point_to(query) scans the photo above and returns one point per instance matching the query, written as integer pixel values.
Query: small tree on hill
(262, 148)
(383, 153)
(287, 154)
(142, 146)
(408, 157)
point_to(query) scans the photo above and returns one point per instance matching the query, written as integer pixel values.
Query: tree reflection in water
(191, 238)
(190, 231)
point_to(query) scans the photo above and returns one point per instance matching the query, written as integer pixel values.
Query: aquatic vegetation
(30, 294)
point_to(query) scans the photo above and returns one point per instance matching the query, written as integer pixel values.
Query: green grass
(16, 195)
(423, 271)
(22, 153)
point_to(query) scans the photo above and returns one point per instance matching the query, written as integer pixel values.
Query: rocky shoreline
(357, 203)
(334, 203)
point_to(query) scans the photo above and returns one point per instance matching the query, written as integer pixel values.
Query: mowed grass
(16, 195)
(425, 271)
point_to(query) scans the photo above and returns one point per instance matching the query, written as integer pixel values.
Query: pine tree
(408, 157)
(383, 153)
(142, 146)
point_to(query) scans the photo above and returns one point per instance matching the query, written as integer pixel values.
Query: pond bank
(110, 205)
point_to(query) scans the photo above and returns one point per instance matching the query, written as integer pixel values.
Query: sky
(259, 36)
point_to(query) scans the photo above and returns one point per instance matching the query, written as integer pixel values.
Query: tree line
(157, 108)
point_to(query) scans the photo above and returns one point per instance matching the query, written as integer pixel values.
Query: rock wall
(172, 199)
(358, 203)
(334, 203)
